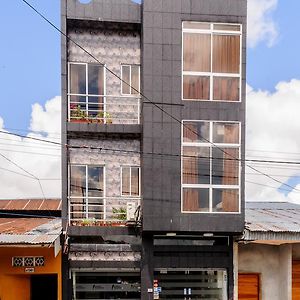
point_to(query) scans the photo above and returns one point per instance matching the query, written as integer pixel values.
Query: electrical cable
(156, 105)
(30, 174)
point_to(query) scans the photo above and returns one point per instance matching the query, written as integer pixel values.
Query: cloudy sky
(30, 99)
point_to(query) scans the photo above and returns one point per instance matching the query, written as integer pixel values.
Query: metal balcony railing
(104, 109)
(103, 211)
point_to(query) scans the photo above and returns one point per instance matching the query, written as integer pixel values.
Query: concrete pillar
(147, 268)
(285, 262)
(235, 270)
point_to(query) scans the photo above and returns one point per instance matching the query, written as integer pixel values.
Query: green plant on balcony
(120, 214)
(78, 114)
(103, 116)
(88, 222)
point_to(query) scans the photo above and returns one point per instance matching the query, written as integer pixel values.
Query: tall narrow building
(153, 119)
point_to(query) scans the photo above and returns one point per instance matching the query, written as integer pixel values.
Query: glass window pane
(225, 168)
(78, 181)
(195, 132)
(227, 27)
(227, 133)
(95, 80)
(195, 199)
(135, 179)
(226, 89)
(77, 208)
(195, 25)
(225, 200)
(196, 52)
(126, 78)
(196, 87)
(95, 181)
(226, 53)
(77, 107)
(196, 165)
(135, 79)
(77, 79)
(125, 181)
(95, 107)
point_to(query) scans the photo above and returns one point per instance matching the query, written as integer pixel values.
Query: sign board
(29, 270)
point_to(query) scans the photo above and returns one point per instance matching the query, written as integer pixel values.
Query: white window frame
(86, 95)
(121, 186)
(211, 75)
(86, 186)
(211, 145)
(130, 86)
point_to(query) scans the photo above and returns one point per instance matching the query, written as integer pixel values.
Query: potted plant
(120, 215)
(103, 117)
(88, 222)
(78, 115)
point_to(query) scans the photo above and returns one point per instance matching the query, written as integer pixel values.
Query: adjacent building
(269, 252)
(30, 249)
(153, 119)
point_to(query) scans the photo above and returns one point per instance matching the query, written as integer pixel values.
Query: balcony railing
(104, 109)
(103, 211)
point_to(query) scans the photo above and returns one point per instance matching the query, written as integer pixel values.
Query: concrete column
(147, 268)
(235, 270)
(285, 262)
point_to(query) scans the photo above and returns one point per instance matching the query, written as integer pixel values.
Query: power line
(133, 88)
(30, 174)
(269, 186)
(27, 152)
(30, 137)
(156, 153)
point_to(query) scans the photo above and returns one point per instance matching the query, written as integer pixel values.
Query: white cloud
(273, 127)
(261, 27)
(38, 158)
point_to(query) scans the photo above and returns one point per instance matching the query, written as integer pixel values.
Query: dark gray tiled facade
(159, 23)
(162, 59)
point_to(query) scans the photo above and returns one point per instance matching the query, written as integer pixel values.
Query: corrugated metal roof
(35, 231)
(30, 204)
(272, 220)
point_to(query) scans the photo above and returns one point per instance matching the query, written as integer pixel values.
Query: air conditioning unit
(131, 208)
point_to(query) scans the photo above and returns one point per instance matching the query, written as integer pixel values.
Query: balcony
(104, 109)
(104, 211)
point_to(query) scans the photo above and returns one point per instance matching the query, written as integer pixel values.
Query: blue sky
(268, 65)
(30, 56)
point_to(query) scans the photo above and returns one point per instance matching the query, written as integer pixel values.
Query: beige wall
(273, 263)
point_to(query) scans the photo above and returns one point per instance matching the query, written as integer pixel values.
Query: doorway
(43, 287)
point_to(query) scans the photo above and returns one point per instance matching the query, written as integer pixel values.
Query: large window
(210, 166)
(107, 285)
(130, 84)
(86, 90)
(211, 61)
(86, 191)
(130, 181)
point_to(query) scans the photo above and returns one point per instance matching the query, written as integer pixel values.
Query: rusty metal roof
(30, 204)
(272, 220)
(35, 231)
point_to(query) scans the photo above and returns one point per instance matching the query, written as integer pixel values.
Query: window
(210, 166)
(211, 61)
(86, 191)
(86, 90)
(130, 181)
(131, 75)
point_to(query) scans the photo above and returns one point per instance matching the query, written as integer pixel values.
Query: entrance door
(190, 284)
(248, 286)
(44, 287)
(296, 280)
